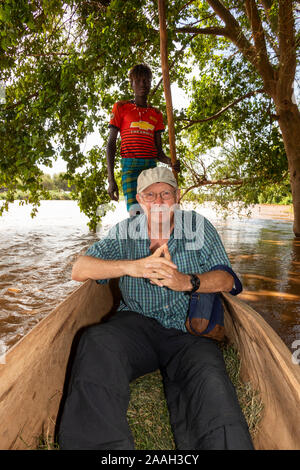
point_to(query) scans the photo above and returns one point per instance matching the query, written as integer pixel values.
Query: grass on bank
(148, 414)
(55, 195)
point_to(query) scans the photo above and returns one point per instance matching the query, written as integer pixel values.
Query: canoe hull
(267, 364)
(33, 377)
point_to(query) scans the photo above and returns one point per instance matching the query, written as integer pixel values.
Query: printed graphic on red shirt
(143, 125)
(137, 126)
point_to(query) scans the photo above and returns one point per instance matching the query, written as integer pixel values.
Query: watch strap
(195, 281)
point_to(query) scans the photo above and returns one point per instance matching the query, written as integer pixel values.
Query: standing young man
(140, 126)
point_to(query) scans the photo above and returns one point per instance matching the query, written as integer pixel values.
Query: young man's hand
(113, 190)
(161, 156)
(176, 166)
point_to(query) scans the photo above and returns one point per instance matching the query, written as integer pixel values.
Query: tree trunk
(289, 122)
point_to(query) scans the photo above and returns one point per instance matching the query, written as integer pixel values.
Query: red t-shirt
(137, 126)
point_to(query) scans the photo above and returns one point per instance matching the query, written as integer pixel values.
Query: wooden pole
(166, 78)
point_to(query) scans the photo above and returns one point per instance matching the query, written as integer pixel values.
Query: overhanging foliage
(64, 63)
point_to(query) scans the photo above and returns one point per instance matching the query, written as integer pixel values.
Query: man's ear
(177, 196)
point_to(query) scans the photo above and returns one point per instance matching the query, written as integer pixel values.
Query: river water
(36, 258)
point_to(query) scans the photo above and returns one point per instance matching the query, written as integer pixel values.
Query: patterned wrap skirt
(131, 168)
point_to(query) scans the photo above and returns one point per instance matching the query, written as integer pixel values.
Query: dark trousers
(204, 410)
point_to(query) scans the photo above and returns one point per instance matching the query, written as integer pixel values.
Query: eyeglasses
(151, 196)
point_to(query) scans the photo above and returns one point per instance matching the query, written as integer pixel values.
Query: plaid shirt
(194, 246)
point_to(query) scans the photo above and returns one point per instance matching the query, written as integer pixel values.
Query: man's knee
(203, 359)
(107, 338)
(100, 357)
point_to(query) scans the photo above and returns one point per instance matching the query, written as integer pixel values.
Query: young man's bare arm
(161, 156)
(111, 147)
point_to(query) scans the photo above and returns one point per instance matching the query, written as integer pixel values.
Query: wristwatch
(195, 281)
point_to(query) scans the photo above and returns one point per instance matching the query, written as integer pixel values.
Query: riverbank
(258, 211)
(55, 195)
(272, 211)
(208, 209)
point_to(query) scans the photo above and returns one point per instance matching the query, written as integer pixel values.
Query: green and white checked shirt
(194, 246)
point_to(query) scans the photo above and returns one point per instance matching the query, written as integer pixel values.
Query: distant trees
(56, 182)
(54, 187)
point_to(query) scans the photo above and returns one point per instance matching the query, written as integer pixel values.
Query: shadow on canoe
(36, 369)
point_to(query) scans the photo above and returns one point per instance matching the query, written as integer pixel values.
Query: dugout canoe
(33, 375)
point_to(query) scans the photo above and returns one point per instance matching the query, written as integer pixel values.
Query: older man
(160, 256)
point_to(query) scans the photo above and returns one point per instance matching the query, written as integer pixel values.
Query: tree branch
(261, 63)
(231, 30)
(287, 50)
(33, 95)
(214, 30)
(184, 6)
(223, 13)
(200, 19)
(99, 4)
(235, 34)
(257, 29)
(215, 116)
(46, 54)
(273, 21)
(205, 182)
(272, 44)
